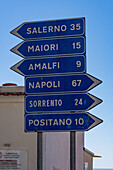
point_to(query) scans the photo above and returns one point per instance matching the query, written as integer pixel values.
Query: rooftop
(91, 153)
(11, 89)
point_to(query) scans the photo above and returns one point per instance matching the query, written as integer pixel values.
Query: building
(20, 148)
(88, 159)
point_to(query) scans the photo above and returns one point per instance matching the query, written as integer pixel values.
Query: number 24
(78, 102)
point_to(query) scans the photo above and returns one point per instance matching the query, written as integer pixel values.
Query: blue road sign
(53, 28)
(60, 122)
(55, 65)
(61, 83)
(50, 47)
(60, 102)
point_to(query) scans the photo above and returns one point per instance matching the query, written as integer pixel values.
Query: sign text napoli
(51, 47)
(60, 122)
(60, 102)
(48, 29)
(54, 65)
(65, 83)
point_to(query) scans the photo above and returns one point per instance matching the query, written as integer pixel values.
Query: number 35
(75, 27)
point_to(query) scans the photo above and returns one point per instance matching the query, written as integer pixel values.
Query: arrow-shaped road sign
(55, 65)
(56, 84)
(50, 47)
(60, 122)
(60, 102)
(48, 29)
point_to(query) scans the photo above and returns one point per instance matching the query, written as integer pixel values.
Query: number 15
(76, 45)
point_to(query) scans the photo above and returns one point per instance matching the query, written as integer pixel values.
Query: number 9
(78, 63)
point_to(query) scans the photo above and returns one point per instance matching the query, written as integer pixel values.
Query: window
(86, 165)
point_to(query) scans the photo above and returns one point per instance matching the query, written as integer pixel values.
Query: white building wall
(12, 129)
(57, 150)
(56, 145)
(79, 150)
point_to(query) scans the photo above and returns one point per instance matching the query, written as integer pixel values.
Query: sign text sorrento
(60, 102)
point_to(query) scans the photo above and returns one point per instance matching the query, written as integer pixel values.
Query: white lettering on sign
(48, 84)
(50, 122)
(75, 27)
(46, 47)
(52, 29)
(45, 103)
(76, 83)
(46, 29)
(44, 66)
(78, 102)
(79, 121)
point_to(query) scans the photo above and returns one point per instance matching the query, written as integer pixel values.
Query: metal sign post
(73, 150)
(39, 150)
(56, 83)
